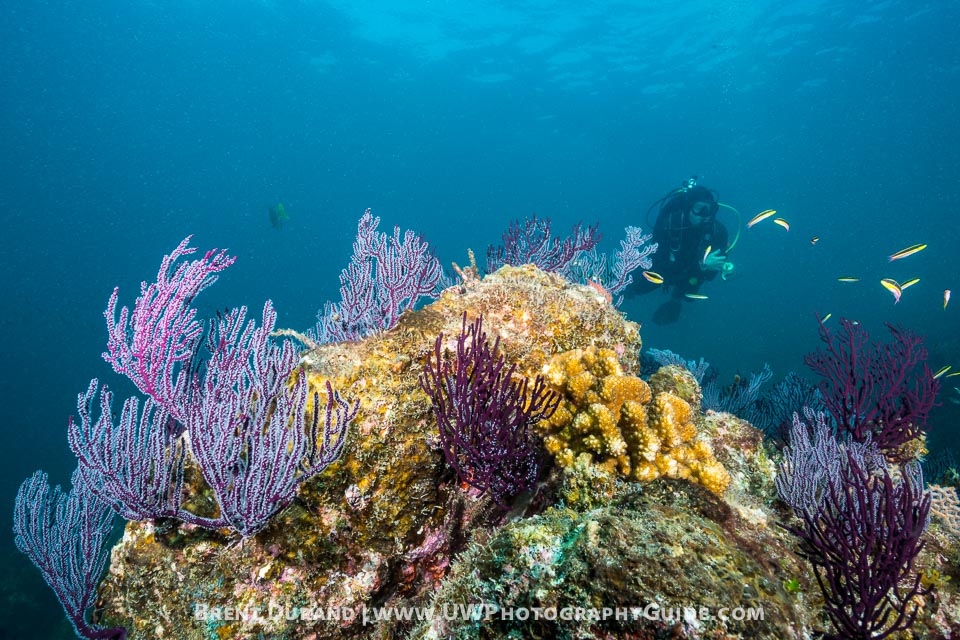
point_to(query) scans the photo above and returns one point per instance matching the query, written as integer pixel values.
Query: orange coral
(614, 419)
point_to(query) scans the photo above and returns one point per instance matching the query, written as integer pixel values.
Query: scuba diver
(693, 247)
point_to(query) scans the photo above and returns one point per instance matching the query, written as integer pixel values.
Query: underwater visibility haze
(294, 136)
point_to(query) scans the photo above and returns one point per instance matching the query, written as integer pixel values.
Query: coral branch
(246, 422)
(484, 415)
(135, 466)
(154, 345)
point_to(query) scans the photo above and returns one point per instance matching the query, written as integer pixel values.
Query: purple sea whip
(243, 415)
(246, 423)
(484, 414)
(154, 344)
(862, 542)
(885, 389)
(860, 526)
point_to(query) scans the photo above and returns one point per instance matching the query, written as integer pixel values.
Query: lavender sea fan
(386, 276)
(65, 535)
(135, 465)
(246, 423)
(154, 344)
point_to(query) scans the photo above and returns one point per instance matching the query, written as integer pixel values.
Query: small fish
(763, 215)
(601, 290)
(946, 298)
(653, 277)
(909, 283)
(848, 279)
(278, 215)
(706, 253)
(954, 374)
(827, 317)
(893, 287)
(696, 296)
(783, 223)
(942, 371)
(814, 239)
(909, 251)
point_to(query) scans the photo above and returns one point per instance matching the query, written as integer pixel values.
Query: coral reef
(389, 525)
(667, 554)
(380, 524)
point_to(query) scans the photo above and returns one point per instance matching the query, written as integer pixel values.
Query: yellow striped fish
(760, 217)
(893, 287)
(909, 251)
(909, 283)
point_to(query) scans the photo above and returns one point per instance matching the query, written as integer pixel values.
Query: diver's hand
(714, 261)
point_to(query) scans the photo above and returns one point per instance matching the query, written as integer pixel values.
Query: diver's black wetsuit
(679, 256)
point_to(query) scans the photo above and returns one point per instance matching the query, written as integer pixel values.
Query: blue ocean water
(125, 126)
